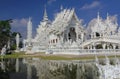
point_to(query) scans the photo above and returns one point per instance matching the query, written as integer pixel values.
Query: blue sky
(21, 10)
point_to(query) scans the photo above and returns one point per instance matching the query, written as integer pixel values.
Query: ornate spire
(45, 17)
(98, 17)
(61, 7)
(107, 14)
(107, 17)
(29, 30)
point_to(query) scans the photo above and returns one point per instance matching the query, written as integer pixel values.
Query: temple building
(66, 34)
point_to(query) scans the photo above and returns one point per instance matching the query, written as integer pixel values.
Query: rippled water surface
(35, 68)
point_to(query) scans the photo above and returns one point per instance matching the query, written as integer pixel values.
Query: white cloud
(19, 22)
(20, 25)
(91, 6)
(113, 18)
(50, 2)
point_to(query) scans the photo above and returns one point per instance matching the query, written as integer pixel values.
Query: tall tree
(5, 32)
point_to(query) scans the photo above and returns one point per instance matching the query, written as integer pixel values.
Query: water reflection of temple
(35, 68)
(52, 69)
(110, 70)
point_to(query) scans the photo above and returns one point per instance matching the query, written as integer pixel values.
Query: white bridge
(101, 40)
(109, 46)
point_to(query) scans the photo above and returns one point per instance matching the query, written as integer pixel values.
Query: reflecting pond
(36, 68)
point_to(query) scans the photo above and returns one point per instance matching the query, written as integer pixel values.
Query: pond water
(36, 68)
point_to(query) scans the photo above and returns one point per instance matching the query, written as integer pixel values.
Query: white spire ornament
(98, 17)
(29, 31)
(61, 7)
(45, 17)
(107, 18)
(29, 36)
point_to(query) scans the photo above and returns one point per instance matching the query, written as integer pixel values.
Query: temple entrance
(97, 34)
(72, 34)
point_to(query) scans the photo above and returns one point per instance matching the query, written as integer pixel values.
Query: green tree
(5, 32)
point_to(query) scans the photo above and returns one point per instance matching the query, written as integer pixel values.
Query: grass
(14, 55)
(54, 57)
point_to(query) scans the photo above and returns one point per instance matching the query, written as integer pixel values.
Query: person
(3, 51)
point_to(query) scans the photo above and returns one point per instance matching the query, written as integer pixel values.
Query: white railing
(105, 39)
(82, 51)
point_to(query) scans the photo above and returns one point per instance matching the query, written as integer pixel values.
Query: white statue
(17, 41)
(8, 45)
(3, 51)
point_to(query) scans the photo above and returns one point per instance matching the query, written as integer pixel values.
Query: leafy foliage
(6, 34)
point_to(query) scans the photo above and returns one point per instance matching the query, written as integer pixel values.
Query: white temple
(66, 34)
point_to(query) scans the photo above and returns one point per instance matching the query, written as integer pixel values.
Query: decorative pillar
(94, 46)
(103, 45)
(88, 47)
(94, 35)
(67, 35)
(114, 46)
(82, 37)
(103, 34)
(100, 35)
(76, 30)
(76, 36)
(91, 47)
(108, 47)
(91, 35)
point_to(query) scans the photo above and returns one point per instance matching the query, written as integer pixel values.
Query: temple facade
(66, 34)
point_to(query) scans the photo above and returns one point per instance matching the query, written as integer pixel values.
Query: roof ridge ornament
(107, 17)
(45, 17)
(61, 7)
(98, 16)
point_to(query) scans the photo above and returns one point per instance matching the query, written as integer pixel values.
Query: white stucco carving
(67, 31)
